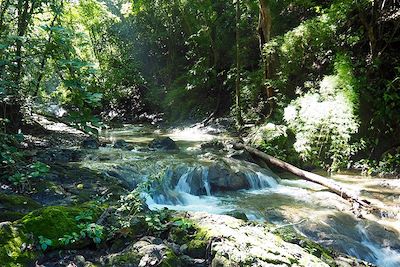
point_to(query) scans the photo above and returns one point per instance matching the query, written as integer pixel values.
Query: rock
(59, 156)
(13, 244)
(163, 143)
(148, 251)
(238, 215)
(14, 207)
(223, 178)
(90, 143)
(242, 155)
(122, 144)
(190, 262)
(214, 144)
(235, 243)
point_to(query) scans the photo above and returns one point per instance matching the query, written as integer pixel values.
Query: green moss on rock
(197, 248)
(51, 222)
(14, 207)
(55, 222)
(13, 246)
(289, 235)
(170, 260)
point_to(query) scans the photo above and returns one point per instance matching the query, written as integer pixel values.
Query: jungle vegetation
(318, 80)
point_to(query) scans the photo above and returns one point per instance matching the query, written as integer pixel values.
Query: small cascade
(206, 182)
(258, 180)
(381, 256)
(184, 182)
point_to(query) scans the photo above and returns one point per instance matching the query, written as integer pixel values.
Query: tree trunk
(331, 185)
(44, 58)
(3, 8)
(239, 119)
(264, 35)
(24, 12)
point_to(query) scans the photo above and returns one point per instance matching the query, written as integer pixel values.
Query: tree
(239, 119)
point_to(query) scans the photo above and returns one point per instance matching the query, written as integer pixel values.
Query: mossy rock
(197, 246)
(55, 222)
(179, 235)
(289, 235)
(14, 207)
(130, 258)
(10, 216)
(170, 260)
(238, 215)
(13, 246)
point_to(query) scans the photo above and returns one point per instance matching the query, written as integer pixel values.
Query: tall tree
(264, 35)
(239, 119)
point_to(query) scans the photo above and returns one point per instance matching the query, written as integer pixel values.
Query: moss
(289, 235)
(197, 248)
(55, 222)
(238, 215)
(13, 243)
(179, 235)
(14, 207)
(16, 203)
(170, 260)
(131, 258)
(10, 216)
(197, 245)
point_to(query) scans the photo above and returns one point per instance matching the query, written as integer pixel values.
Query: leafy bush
(323, 119)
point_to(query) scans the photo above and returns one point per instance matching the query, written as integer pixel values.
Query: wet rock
(214, 144)
(59, 156)
(14, 246)
(238, 215)
(190, 262)
(241, 155)
(235, 243)
(14, 207)
(90, 143)
(222, 178)
(148, 251)
(121, 144)
(163, 143)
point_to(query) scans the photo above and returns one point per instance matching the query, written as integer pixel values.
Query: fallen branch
(328, 183)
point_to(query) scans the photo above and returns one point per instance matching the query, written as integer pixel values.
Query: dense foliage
(328, 72)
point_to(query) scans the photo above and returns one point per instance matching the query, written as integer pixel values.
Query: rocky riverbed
(83, 211)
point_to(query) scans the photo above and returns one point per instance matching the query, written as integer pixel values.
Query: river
(191, 180)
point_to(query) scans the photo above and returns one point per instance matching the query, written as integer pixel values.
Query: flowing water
(209, 180)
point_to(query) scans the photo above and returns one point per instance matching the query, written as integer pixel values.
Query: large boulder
(121, 144)
(90, 143)
(223, 178)
(163, 143)
(148, 251)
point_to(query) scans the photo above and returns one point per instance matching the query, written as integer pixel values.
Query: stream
(216, 181)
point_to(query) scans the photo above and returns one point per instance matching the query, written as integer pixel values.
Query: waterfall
(206, 182)
(259, 180)
(184, 182)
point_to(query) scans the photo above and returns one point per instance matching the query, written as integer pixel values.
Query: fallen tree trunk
(328, 183)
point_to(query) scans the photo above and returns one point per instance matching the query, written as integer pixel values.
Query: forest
(199, 133)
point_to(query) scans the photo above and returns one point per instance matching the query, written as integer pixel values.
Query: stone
(122, 144)
(214, 144)
(236, 243)
(190, 262)
(223, 178)
(90, 143)
(163, 143)
(148, 251)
